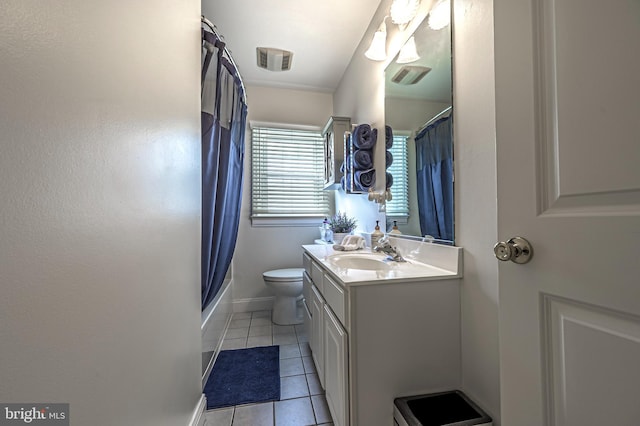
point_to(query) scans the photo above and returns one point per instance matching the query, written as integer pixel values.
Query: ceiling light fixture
(440, 15)
(378, 49)
(403, 11)
(408, 53)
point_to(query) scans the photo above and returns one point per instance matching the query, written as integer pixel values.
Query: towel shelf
(350, 169)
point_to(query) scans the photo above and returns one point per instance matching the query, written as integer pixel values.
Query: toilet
(286, 285)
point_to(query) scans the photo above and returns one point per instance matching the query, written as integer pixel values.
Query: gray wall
(476, 194)
(260, 249)
(100, 217)
(361, 95)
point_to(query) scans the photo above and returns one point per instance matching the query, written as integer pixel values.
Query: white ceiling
(323, 36)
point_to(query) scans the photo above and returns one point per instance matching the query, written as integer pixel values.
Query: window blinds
(287, 173)
(399, 205)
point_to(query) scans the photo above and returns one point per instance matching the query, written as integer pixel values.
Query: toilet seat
(284, 275)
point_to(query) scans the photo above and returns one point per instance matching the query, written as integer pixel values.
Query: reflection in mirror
(418, 107)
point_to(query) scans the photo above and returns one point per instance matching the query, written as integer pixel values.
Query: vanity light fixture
(378, 48)
(408, 53)
(403, 11)
(440, 15)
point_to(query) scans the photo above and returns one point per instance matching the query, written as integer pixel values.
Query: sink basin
(362, 261)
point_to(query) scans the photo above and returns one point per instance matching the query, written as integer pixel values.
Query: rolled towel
(364, 179)
(345, 247)
(364, 137)
(356, 240)
(350, 243)
(389, 180)
(388, 137)
(343, 182)
(362, 159)
(388, 159)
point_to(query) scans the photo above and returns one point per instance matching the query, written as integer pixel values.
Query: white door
(568, 158)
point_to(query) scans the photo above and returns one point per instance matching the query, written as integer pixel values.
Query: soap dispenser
(325, 230)
(395, 229)
(376, 235)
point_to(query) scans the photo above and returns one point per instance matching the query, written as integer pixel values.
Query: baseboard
(198, 417)
(253, 304)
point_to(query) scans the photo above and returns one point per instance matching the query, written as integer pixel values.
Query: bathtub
(215, 319)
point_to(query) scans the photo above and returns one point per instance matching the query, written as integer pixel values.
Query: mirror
(418, 107)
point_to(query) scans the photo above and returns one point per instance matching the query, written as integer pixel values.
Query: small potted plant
(341, 225)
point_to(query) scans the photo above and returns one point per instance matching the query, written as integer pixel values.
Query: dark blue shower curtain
(434, 164)
(223, 119)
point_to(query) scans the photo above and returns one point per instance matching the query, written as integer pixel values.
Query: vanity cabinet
(328, 338)
(375, 341)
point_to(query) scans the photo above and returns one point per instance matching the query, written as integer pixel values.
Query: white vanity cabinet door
(336, 368)
(316, 341)
(306, 294)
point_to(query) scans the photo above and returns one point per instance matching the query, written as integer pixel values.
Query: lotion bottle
(376, 235)
(395, 229)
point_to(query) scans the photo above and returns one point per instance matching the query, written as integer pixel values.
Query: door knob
(517, 250)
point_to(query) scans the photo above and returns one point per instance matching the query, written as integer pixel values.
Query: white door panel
(590, 350)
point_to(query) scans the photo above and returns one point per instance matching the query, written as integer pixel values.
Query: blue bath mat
(244, 376)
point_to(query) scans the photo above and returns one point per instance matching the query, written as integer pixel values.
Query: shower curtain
(434, 164)
(223, 119)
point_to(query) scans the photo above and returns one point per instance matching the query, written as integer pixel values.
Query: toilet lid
(291, 274)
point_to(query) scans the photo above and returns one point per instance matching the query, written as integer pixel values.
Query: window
(287, 175)
(398, 207)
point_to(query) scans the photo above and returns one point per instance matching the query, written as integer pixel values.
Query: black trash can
(439, 409)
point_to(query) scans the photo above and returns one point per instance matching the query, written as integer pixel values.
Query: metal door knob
(517, 250)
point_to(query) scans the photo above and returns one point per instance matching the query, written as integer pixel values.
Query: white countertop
(409, 271)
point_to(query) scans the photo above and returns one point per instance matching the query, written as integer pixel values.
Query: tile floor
(302, 401)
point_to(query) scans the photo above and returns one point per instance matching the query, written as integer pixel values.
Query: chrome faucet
(386, 247)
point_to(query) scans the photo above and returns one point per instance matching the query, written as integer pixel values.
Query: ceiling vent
(410, 74)
(274, 59)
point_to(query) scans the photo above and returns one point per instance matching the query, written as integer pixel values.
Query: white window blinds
(287, 173)
(399, 205)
